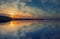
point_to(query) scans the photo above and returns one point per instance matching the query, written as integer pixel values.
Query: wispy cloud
(21, 6)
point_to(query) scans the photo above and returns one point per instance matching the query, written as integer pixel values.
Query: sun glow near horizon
(13, 12)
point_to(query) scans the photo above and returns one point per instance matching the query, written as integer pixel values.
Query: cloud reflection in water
(29, 29)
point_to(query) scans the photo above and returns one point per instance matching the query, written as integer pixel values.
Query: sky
(30, 29)
(37, 8)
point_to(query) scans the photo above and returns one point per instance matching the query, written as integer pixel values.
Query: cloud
(51, 1)
(21, 5)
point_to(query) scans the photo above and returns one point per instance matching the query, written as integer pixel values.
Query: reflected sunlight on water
(28, 28)
(14, 25)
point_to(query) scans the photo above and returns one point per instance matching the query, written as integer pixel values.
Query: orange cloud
(15, 13)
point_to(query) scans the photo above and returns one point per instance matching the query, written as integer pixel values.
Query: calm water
(30, 30)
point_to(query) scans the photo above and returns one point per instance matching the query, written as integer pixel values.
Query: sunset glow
(15, 13)
(14, 25)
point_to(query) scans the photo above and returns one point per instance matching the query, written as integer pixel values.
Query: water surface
(30, 29)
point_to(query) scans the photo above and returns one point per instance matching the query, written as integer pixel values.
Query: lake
(30, 29)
